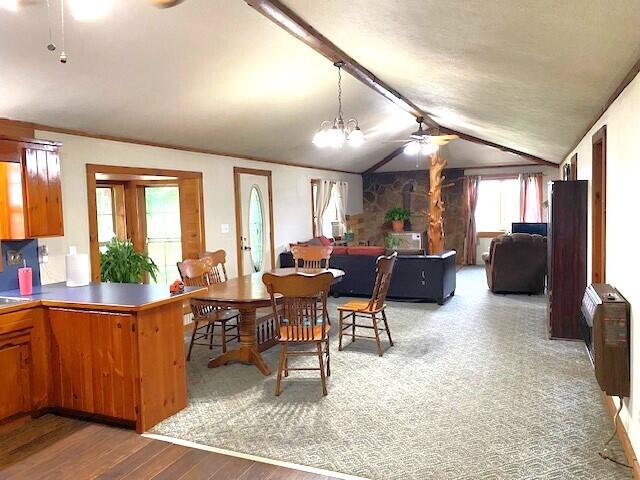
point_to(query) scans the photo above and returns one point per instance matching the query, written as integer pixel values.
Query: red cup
(25, 280)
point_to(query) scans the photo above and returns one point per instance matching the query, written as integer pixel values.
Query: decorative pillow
(325, 241)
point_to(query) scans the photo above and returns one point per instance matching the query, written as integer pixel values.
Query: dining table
(247, 294)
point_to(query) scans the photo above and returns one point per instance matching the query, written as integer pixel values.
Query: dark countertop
(123, 297)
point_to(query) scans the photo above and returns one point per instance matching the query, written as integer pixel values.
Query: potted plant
(397, 217)
(393, 242)
(121, 263)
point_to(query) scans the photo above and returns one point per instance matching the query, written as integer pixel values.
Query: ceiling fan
(165, 3)
(421, 141)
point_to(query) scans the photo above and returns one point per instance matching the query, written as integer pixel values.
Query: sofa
(517, 263)
(429, 278)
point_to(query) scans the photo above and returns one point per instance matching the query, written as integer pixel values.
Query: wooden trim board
(237, 171)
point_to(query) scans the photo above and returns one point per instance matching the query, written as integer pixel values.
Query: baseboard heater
(604, 322)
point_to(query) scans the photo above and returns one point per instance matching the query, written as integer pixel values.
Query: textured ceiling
(219, 76)
(530, 75)
(459, 154)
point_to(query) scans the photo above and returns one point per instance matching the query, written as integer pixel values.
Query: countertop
(121, 297)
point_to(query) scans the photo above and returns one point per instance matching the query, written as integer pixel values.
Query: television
(529, 227)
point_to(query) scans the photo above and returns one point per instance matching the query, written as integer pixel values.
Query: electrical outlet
(14, 258)
(43, 254)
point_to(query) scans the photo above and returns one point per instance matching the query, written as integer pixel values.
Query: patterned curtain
(471, 240)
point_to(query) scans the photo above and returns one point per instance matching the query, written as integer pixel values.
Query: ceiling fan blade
(399, 141)
(165, 3)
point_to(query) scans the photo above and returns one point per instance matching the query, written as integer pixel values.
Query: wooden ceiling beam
(290, 21)
(385, 160)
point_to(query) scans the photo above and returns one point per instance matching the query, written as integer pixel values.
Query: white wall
(291, 194)
(548, 174)
(623, 264)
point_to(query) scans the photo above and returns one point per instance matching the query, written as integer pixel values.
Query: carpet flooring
(471, 390)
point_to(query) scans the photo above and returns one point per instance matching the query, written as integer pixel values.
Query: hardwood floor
(53, 447)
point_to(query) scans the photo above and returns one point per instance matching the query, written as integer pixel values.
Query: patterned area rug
(472, 389)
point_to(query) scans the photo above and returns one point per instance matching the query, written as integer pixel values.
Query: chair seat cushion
(355, 306)
(301, 333)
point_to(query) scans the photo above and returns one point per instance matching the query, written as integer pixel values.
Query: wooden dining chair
(294, 300)
(311, 256)
(374, 309)
(216, 261)
(207, 317)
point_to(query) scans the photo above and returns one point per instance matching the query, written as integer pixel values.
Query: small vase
(397, 225)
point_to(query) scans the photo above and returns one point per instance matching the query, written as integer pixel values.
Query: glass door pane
(256, 229)
(164, 241)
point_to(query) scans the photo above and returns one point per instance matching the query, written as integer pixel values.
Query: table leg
(248, 351)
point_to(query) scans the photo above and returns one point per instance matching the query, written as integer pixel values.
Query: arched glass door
(256, 228)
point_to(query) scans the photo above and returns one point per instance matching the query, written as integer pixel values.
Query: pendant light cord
(339, 91)
(49, 21)
(62, 22)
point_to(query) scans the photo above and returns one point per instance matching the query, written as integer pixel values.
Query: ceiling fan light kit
(335, 134)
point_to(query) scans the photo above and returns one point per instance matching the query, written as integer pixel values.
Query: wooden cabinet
(567, 255)
(93, 362)
(15, 374)
(24, 362)
(30, 189)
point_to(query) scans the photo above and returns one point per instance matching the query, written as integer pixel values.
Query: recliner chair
(517, 263)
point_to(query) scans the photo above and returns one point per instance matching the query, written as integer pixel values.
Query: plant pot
(397, 225)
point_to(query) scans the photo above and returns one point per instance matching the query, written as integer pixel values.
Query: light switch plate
(224, 228)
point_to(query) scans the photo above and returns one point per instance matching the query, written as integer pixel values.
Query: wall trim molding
(25, 126)
(623, 437)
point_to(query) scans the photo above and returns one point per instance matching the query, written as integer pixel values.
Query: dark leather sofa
(517, 263)
(415, 277)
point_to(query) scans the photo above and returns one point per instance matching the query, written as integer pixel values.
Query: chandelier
(335, 134)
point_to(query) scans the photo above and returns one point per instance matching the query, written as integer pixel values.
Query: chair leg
(375, 329)
(286, 366)
(353, 327)
(193, 335)
(340, 315)
(328, 359)
(211, 330)
(224, 337)
(322, 375)
(386, 325)
(281, 363)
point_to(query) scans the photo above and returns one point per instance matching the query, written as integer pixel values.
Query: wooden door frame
(599, 205)
(237, 171)
(92, 170)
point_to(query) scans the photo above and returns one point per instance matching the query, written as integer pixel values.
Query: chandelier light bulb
(335, 138)
(320, 138)
(356, 137)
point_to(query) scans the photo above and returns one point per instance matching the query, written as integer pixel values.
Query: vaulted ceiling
(220, 76)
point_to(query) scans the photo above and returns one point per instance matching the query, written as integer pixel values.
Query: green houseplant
(392, 242)
(121, 263)
(397, 217)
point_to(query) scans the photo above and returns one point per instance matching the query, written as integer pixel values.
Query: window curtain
(531, 197)
(323, 197)
(471, 239)
(342, 190)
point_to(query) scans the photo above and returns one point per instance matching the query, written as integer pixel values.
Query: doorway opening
(254, 220)
(159, 211)
(599, 206)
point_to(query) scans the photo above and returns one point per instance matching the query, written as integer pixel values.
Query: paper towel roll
(78, 269)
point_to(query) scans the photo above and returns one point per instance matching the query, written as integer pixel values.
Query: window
(498, 204)
(164, 240)
(330, 216)
(106, 217)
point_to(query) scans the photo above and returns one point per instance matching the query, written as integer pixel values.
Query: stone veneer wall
(382, 191)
